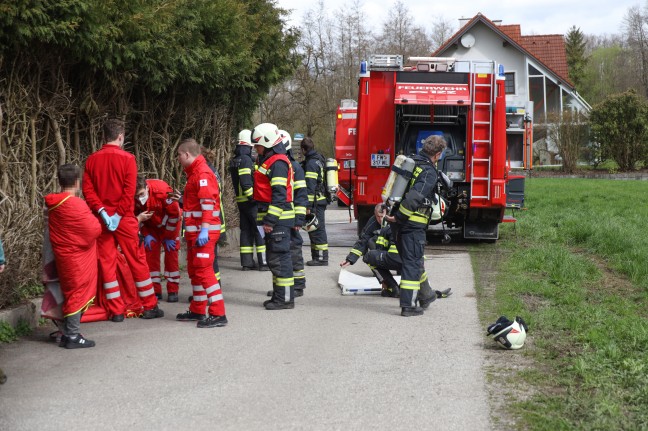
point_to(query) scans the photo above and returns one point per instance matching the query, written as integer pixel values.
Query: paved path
(333, 363)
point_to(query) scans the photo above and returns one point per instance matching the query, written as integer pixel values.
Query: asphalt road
(333, 363)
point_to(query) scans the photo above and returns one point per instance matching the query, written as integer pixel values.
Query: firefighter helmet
(439, 209)
(266, 134)
(286, 139)
(245, 137)
(509, 335)
(310, 223)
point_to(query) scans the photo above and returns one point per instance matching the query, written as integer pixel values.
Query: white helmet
(286, 139)
(510, 335)
(439, 209)
(310, 223)
(266, 134)
(245, 137)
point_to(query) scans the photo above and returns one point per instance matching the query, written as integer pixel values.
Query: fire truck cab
(400, 105)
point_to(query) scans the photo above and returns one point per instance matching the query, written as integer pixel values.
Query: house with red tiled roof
(535, 67)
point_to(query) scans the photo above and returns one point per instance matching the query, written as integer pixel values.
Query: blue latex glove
(105, 217)
(169, 244)
(148, 239)
(203, 237)
(114, 220)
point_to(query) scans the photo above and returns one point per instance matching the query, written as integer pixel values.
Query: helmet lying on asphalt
(509, 335)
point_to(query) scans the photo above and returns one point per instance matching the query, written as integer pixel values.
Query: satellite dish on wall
(467, 40)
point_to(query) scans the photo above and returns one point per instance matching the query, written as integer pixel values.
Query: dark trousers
(280, 264)
(250, 236)
(318, 239)
(299, 274)
(410, 242)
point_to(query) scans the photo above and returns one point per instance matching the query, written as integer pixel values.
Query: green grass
(576, 269)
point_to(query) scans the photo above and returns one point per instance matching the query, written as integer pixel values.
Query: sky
(595, 17)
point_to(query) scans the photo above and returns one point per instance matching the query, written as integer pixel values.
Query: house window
(509, 83)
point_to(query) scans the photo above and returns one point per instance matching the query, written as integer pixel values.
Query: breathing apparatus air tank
(332, 176)
(400, 175)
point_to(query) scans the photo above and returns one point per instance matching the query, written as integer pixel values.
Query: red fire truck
(464, 101)
(345, 148)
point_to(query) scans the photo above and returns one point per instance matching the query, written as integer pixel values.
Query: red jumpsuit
(201, 204)
(163, 225)
(109, 182)
(73, 233)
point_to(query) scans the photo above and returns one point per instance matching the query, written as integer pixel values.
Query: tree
(620, 125)
(401, 36)
(576, 59)
(442, 29)
(171, 69)
(636, 32)
(569, 131)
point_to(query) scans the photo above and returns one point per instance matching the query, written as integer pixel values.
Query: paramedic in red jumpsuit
(109, 189)
(201, 205)
(161, 229)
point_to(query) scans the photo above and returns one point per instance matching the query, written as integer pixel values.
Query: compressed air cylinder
(332, 175)
(396, 183)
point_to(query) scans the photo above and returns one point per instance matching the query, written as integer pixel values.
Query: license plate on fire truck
(380, 161)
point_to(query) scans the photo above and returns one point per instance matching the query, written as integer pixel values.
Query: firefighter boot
(317, 260)
(411, 311)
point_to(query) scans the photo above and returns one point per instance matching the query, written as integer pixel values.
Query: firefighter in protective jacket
(201, 205)
(313, 165)
(273, 194)
(300, 202)
(241, 171)
(160, 228)
(410, 224)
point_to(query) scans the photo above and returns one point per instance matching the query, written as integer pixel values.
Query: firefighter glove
(203, 237)
(169, 244)
(114, 222)
(148, 239)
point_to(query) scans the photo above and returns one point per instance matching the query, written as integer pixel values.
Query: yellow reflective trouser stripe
(260, 248)
(356, 252)
(410, 284)
(247, 249)
(424, 276)
(300, 210)
(241, 199)
(299, 184)
(311, 175)
(299, 274)
(278, 181)
(320, 247)
(283, 281)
